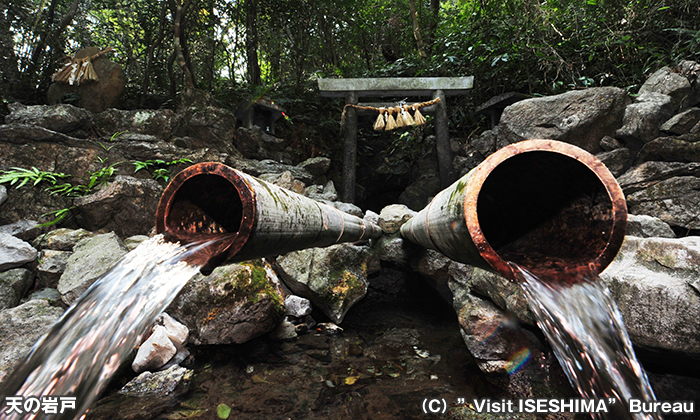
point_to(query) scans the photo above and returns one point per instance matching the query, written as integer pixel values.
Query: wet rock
(96, 95)
(52, 296)
(316, 166)
(651, 281)
(14, 252)
(233, 304)
(26, 230)
(668, 82)
(284, 331)
(617, 161)
(297, 306)
(63, 118)
(645, 226)
(643, 118)
(52, 265)
(333, 278)
(581, 117)
(159, 123)
(62, 239)
(14, 284)
(145, 396)
(92, 257)
(671, 149)
(133, 241)
(155, 352)
(126, 206)
(393, 217)
(682, 123)
(329, 328)
(177, 332)
(21, 327)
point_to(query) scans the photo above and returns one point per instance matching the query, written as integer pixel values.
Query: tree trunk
(177, 33)
(432, 27)
(416, 29)
(251, 41)
(151, 51)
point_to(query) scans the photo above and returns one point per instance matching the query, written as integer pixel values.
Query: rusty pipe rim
(245, 192)
(482, 172)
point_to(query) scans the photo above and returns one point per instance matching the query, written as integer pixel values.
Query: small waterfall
(81, 352)
(584, 327)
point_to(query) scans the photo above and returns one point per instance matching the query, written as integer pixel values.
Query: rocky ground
(415, 325)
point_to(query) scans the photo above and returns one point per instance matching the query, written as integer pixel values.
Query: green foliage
(21, 176)
(160, 170)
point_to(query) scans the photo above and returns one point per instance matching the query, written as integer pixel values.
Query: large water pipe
(548, 206)
(248, 217)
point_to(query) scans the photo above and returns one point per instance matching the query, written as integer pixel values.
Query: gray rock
(649, 173)
(63, 118)
(580, 117)
(683, 122)
(392, 249)
(62, 239)
(284, 331)
(3, 194)
(256, 168)
(158, 384)
(651, 282)
(159, 123)
(643, 118)
(617, 161)
(14, 252)
(461, 165)
(14, 284)
(332, 278)
(52, 296)
(26, 230)
(419, 193)
(485, 143)
(345, 207)
(608, 143)
(668, 82)
(52, 264)
(297, 306)
(322, 192)
(155, 352)
(316, 166)
(434, 267)
(233, 304)
(645, 226)
(92, 257)
(392, 217)
(674, 200)
(21, 327)
(679, 149)
(126, 206)
(133, 241)
(691, 71)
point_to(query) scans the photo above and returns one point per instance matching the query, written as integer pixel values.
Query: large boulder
(126, 206)
(655, 284)
(92, 257)
(684, 148)
(332, 278)
(21, 327)
(233, 304)
(683, 122)
(160, 123)
(643, 118)
(581, 117)
(63, 118)
(93, 95)
(666, 81)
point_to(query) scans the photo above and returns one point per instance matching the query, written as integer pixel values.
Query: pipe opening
(545, 211)
(205, 204)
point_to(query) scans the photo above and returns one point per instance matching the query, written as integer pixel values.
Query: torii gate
(353, 89)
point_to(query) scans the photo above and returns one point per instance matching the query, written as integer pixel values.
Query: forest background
(238, 50)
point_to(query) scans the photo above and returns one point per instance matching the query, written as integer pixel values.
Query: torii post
(435, 87)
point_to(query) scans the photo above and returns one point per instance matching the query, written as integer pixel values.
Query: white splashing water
(81, 352)
(584, 327)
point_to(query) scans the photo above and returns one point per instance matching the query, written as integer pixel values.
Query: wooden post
(442, 142)
(350, 149)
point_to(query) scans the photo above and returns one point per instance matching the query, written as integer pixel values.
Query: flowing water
(584, 327)
(86, 346)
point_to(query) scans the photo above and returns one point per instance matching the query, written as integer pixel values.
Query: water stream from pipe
(585, 329)
(81, 352)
